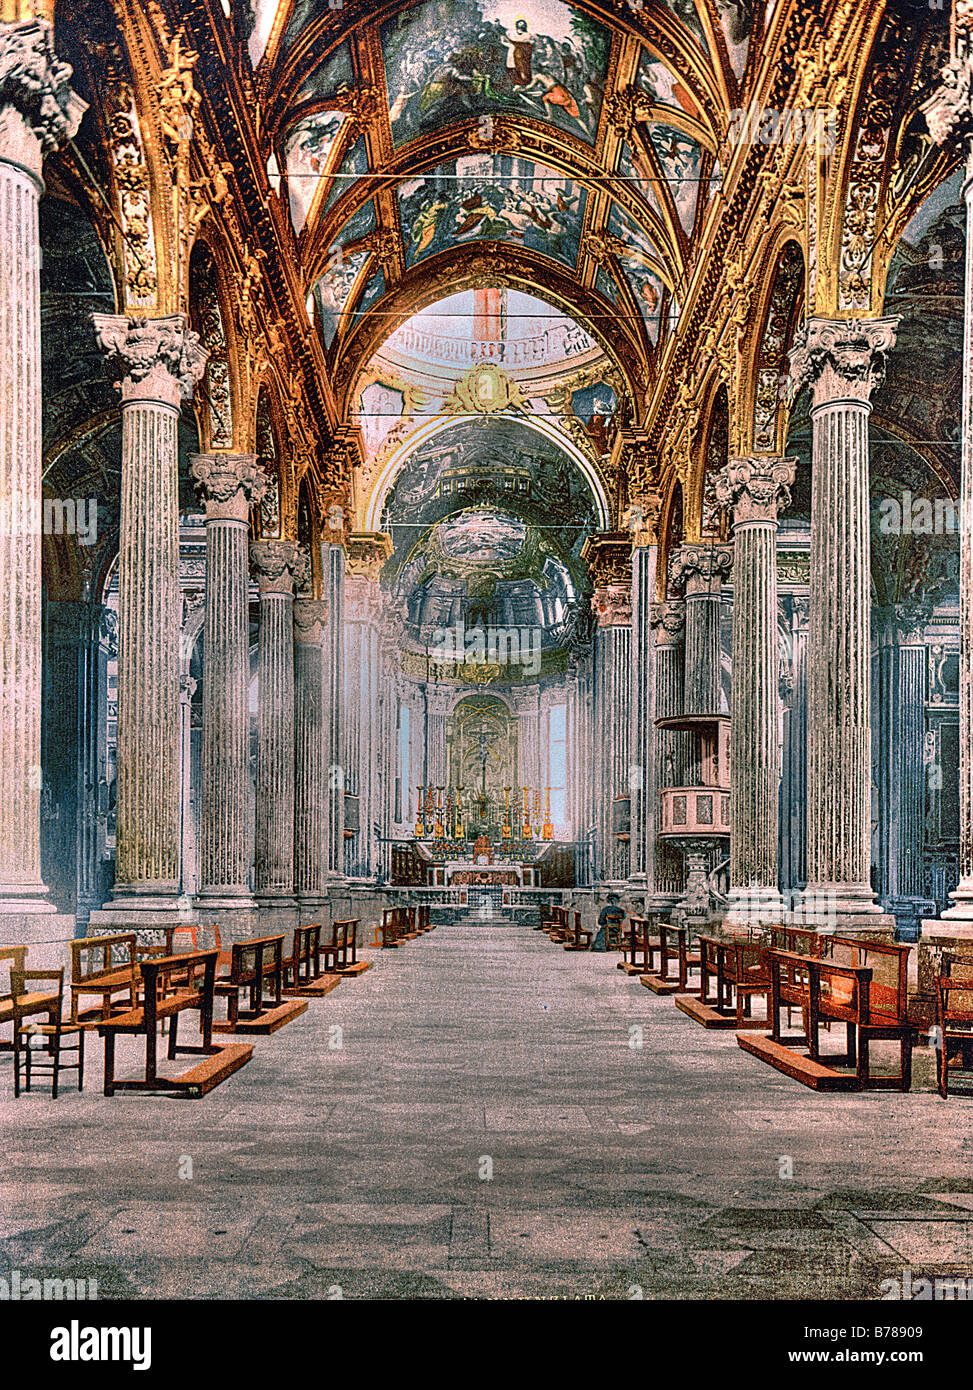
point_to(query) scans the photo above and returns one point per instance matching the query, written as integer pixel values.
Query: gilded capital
(756, 487)
(641, 520)
(278, 565)
(159, 359)
(949, 111)
(366, 552)
(841, 359)
(609, 559)
(229, 484)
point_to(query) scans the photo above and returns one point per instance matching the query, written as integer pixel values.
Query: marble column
(643, 779)
(365, 554)
(310, 752)
(437, 706)
(38, 111)
(699, 571)
(158, 362)
(229, 484)
(609, 557)
(333, 593)
(900, 773)
(754, 489)
(279, 564)
(842, 361)
(671, 751)
(949, 116)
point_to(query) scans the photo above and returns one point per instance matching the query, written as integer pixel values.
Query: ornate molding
(641, 519)
(756, 487)
(612, 605)
(151, 357)
(366, 552)
(949, 111)
(35, 82)
(609, 559)
(841, 359)
(280, 566)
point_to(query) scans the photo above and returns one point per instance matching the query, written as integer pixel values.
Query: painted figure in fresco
(519, 43)
(424, 227)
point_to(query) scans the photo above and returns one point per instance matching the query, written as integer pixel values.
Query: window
(402, 779)
(557, 761)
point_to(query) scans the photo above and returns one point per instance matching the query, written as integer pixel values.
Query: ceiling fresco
(448, 60)
(679, 158)
(492, 198)
(307, 151)
(635, 259)
(337, 288)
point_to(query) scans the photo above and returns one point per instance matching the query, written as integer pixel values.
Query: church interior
(485, 608)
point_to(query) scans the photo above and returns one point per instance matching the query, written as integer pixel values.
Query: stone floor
(473, 1117)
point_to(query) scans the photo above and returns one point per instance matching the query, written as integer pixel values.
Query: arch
(398, 457)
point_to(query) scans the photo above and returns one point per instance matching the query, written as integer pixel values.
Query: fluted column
(609, 557)
(38, 110)
(229, 484)
(644, 775)
(949, 116)
(366, 553)
(754, 489)
(158, 362)
(333, 593)
(842, 361)
(900, 680)
(671, 751)
(310, 752)
(699, 571)
(278, 565)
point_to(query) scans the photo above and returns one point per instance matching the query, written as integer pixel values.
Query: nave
(618, 1171)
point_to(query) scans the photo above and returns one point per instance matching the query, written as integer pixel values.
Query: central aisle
(355, 1153)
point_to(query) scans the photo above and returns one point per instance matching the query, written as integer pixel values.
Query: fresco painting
(307, 149)
(635, 262)
(661, 85)
(344, 265)
(492, 197)
(595, 407)
(449, 60)
(736, 21)
(680, 158)
(334, 75)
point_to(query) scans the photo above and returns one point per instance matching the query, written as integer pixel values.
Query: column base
(752, 906)
(216, 901)
(962, 900)
(45, 934)
(136, 910)
(826, 902)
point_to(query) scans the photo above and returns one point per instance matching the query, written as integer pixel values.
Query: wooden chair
(580, 939)
(52, 1033)
(638, 952)
(303, 966)
(37, 1003)
(252, 964)
(954, 989)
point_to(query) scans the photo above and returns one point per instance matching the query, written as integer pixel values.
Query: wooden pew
(29, 1005)
(104, 966)
(738, 969)
(304, 972)
(860, 982)
(252, 964)
(580, 939)
(678, 959)
(170, 986)
(559, 928)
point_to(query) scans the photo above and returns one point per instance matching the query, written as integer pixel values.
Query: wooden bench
(860, 982)
(170, 986)
(393, 927)
(553, 918)
(678, 959)
(28, 1005)
(252, 964)
(104, 966)
(304, 972)
(738, 969)
(580, 938)
(559, 928)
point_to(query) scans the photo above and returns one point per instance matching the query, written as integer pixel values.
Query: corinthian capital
(756, 487)
(700, 569)
(310, 620)
(279, 565)
(669, 621)
(229, 484)
(949, 111)
(159, 359)
(641, 519)
(841, 359)
(35, 83)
